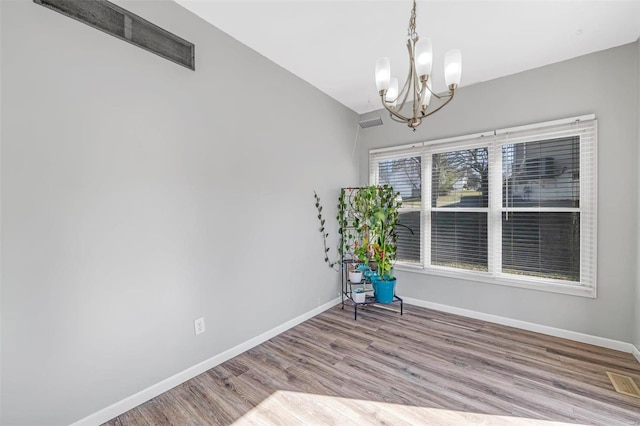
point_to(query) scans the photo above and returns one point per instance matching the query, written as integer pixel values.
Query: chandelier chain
(411, 31)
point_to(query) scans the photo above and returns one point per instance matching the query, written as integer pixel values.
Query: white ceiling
(334, 44)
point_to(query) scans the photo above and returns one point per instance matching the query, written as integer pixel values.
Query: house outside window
(512, 207)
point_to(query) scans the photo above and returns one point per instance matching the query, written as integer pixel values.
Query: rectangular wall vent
(371, 122)
(127, 26)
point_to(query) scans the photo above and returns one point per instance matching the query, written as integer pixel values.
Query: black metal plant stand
(348, 287)
(347, 231)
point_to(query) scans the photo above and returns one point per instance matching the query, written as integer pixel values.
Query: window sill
(509, 281)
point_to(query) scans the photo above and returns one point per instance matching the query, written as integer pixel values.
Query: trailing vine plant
(333, 264)
(343, 223)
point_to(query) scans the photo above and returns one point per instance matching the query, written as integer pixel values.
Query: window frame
(585, 127)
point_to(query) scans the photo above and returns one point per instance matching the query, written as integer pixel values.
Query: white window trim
(588, 208)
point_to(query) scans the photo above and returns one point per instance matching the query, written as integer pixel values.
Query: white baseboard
(551, 331)
(636, 352)
(152, 391)
(144, 395)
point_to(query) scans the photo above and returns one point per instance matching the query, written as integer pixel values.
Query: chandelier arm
(448, 95)
(405, 88)
(440, 106)
(393, 113)
(423, 92)
(397, 120)
(413, 75)
(416, 99)
(417, 104)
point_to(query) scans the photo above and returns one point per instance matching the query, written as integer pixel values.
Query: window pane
(542, 244)
(542, 173)
(409, 237)
(460, 178)
(405, 176)
(459, 240)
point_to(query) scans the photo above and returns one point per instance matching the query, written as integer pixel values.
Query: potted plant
(383, 229)
(367, 219)
(361, 257)
(359, 295)
(355, 276)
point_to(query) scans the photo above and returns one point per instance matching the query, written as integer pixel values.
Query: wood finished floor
(426, 367)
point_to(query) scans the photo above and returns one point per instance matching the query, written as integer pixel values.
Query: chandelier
(417, 87)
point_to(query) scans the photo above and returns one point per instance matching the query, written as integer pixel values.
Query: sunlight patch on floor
(285, 407)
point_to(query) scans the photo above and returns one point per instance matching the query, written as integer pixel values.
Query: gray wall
(603, 83)
(636, 339)
(138, 195)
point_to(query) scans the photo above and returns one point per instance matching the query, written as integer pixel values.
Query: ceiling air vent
(372, 122)
(127, 26)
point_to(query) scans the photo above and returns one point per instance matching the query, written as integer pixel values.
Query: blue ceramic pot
(383, 289)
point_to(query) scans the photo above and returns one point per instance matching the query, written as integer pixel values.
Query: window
(541, 208)
(459, 209)
(404, 174)
(514, 206)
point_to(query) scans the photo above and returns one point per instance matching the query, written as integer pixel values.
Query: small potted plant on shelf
(361, 257)
(355, 276)
(359, 295)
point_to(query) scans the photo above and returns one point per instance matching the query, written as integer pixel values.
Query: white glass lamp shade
(383, 74)
(392, 93)
(424, 56)
(427, 95)
(453, 67)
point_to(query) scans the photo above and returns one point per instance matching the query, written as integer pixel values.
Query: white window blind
(402, 169)
(459, 208)
(514, 206)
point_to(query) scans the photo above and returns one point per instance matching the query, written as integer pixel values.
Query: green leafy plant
(367, 219)
(361, 250)
(384, 252)
(384, 222)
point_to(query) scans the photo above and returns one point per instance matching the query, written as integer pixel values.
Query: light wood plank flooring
(426, 367)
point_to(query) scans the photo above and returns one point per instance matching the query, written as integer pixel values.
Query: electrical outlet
(199, 325)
